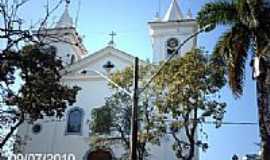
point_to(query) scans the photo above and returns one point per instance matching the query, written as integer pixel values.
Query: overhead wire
(172, 56)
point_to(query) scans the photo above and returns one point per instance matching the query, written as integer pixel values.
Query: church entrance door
(100, 155)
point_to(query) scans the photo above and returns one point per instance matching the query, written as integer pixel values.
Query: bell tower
(64, 37)
(169, 32)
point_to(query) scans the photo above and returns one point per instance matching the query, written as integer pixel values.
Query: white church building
(71, 134)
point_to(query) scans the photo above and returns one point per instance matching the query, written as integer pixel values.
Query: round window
(36, 128)
(172, 45)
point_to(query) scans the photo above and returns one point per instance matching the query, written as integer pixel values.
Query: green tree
(111, 124)
(181, 98)
(37, 72)
(248, 33)
(188, 94)
(30, 86)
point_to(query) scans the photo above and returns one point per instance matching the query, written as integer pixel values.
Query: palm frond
(263, 31)
(231, 51)
(218, 12)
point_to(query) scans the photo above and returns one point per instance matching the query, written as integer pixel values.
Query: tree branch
(12, 130)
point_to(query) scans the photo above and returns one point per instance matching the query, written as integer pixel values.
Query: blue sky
(129, 19)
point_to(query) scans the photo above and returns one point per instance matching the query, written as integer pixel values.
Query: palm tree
(248, 34)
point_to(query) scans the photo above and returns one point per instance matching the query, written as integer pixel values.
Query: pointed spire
(173, 13)
(65, 21)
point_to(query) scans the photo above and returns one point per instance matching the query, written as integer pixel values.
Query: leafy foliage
(119, 104)
(188, 94)
(246, 24)
(30, 86)
(181, 97)
(36, 71)
(249, 22)
(103, 120)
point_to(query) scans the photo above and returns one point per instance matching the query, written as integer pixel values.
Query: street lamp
(135, 94)
(107, 79)
(135, 97)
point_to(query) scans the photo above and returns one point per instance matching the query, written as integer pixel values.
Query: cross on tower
(113, 34)
(67, 3)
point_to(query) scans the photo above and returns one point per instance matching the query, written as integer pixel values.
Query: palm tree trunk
(263, 100)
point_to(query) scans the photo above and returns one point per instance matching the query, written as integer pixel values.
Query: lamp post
(134, 96)
(107, 79)
(136, 92)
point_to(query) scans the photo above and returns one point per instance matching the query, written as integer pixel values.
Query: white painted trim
(99, 54)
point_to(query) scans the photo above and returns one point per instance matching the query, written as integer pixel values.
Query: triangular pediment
(96, 61)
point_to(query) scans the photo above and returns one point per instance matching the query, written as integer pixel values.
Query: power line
(233, 123)
(172, 56)
(212, 122)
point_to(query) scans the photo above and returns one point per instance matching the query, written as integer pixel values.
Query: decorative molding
(83, 63)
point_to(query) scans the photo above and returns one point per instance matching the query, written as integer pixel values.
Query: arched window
(74, 121)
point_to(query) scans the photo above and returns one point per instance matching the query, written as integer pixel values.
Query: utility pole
(134, 116)
(136, 93)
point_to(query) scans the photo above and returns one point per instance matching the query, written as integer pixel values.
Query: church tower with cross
(170, 31)
(72, 133)
(65, 38)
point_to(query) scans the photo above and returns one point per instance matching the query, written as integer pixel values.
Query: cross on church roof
(67, 3)
(113, 34)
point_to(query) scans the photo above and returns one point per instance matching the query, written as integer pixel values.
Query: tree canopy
(188, 93)
(111, 123)
(181, 98)
(248, 23)
(31, 87)
(30, 71)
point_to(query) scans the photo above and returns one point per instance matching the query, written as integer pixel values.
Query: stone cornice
(183, 23)
(98, 55)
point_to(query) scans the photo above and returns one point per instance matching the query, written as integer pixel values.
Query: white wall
(160, 32)
(94, 90)
(53, 139)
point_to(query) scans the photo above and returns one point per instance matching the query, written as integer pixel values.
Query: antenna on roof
(78, 13)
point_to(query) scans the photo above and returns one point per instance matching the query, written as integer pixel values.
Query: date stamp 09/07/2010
(37, 156)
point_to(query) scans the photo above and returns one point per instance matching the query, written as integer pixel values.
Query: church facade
(71, 134)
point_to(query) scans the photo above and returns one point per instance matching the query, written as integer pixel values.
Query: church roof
(105, 52)
(174, 12)
(65, 21)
